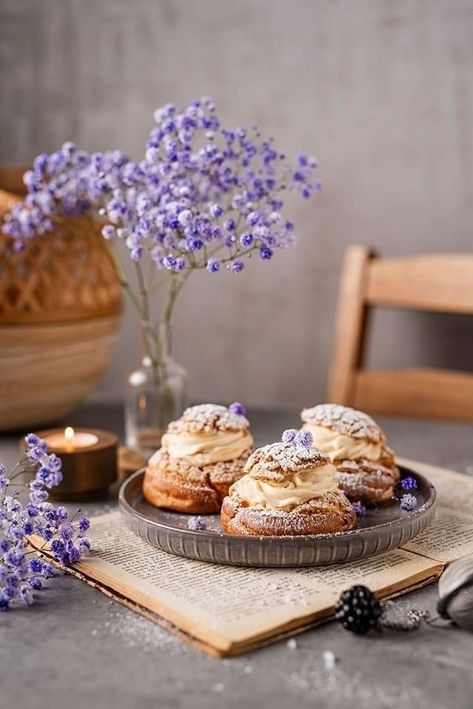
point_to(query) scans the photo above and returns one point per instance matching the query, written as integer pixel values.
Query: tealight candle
(89, 461)
(71, 440)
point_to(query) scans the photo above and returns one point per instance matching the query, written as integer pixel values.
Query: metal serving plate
(381, 529)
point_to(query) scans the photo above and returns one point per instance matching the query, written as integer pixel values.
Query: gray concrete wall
(381, 92)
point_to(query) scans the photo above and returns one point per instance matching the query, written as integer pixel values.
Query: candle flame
(69, 434)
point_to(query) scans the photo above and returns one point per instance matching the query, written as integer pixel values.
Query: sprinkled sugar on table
(75, 646)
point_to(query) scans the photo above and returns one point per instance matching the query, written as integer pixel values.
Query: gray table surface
(76, 648)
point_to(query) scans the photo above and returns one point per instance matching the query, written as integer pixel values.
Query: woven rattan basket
(60, 306)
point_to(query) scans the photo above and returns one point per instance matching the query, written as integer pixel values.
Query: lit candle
(71, 440)
(89, 461)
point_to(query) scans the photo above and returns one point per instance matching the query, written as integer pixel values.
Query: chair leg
(350, 327)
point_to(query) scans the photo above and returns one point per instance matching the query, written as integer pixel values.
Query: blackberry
(358, 610)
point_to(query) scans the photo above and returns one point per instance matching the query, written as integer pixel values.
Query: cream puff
(202, 454)
(289, 489)
(356, 445)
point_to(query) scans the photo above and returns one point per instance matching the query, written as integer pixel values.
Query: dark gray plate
(381, 529)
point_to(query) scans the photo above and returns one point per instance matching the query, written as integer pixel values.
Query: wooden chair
(435, 282)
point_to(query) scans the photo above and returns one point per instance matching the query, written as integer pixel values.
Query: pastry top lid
(279, 461)
(210, 418)
(344, 420)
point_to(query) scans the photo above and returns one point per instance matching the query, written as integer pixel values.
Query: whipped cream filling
(207, 448)
(286, 495)
(341, 446)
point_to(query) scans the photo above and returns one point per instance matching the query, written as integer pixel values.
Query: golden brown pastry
(289, 489)
(356, 445)
(201, 455)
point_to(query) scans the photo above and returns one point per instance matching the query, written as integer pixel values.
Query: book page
(450, 535)
(226, 606)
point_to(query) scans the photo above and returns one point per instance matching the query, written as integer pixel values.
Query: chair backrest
(435, 282)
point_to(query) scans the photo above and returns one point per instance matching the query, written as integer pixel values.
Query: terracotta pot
(60, 308)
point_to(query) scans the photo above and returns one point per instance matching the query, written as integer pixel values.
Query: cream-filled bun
(290, 488)
(357, 446)
(201, 455)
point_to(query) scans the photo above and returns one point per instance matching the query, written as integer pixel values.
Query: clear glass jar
(156, 394)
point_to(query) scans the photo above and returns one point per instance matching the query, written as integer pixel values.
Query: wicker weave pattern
(65, 275)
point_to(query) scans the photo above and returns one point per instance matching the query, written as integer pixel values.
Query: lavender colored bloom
(108, 232)
(169, 262)
(408, 502)
(229, 225)
(216, 210)
(246, 239)
(84, 524)
(197, 180)
(237, 409)
(358, 508)
(265, 253)
(304, 438)
(289, 435)
(237, 266)
(197, 524)
(213, 266)
(408, 483)
(20, 575)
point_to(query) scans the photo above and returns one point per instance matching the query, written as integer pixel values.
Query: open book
(228, 610)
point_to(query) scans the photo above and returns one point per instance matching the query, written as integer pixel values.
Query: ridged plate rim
(287, 551)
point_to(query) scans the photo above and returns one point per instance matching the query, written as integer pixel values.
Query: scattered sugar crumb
(330, 659)
(248, 669)
(292, 644)
(219, 687)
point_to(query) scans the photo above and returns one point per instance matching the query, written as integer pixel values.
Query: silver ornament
(456, 593)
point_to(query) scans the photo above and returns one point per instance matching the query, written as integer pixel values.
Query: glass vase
(156, 394)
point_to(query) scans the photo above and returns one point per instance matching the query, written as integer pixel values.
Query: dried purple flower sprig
(202, 198)
(200, 189)
(22, 570)
(408, 502)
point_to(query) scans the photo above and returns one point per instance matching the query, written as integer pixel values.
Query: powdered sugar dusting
(344, 420)
(207, 418)
(278, 458)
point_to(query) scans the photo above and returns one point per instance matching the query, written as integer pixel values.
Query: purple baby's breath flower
(84, 545)
(36, 565)
(35, 583)
(84, 524)
(193, 172)
(237, 409)
(304, 438)
(408, 502)
(408, 483)
(67, 531)
(246, 239)
(108, 232)
(358, 508)
(136, 253)
(185, 217)
(289, 435)
(216, 210)
(253, 218)
(237, 266)
(197, 524)
(229, 225)
(32, 440)
(61, 513)
(194, 244)
(169, 262)
(265, 253)
(213, 266)
(20, 577)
